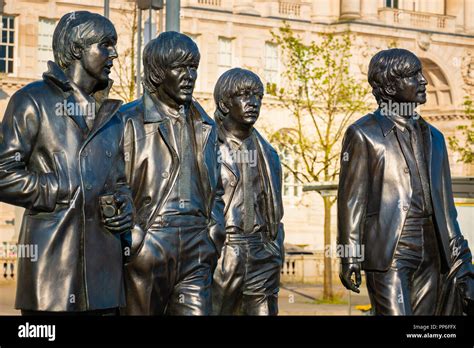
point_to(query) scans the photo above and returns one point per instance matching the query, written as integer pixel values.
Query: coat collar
(106, 108)
(387, 123)
(155, 110)
(57, 77)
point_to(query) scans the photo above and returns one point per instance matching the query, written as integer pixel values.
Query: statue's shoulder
(35, 89)
(132, 110)
(265, 143)
(365, 122)
(206, 118)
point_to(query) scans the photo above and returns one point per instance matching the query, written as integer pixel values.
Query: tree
(322, 96)
(465, 150)
(125, 64)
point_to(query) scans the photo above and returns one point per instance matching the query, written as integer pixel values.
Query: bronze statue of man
(60, 152)
(395, 198)
(247, 277)
(173, 172)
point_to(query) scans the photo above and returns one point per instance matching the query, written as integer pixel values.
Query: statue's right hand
(347, 269)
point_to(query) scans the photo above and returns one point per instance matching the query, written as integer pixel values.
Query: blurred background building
(233, 33)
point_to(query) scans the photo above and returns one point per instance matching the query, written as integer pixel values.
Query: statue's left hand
(122, 222)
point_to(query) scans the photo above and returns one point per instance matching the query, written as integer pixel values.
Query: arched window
(438, 90)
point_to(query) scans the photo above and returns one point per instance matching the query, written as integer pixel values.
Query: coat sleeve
(352, 191)
(217, 231)
(448, 204)
(19, 185)
(457, 244)
(280, 237)
(122, 186)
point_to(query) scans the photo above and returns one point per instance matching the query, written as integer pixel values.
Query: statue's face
(244, 107)
(97, 58)
(411, 88)
(178, 83)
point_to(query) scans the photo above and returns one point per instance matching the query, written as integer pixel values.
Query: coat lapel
(270, 179)
(202, 131)
(152, 115)
(427, 144)
(106, 111)
(225, 155)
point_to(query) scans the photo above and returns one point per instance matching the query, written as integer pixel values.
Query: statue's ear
(76, 50)
(223, 107)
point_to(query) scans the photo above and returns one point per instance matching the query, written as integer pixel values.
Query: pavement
(294, 299)
(7, 298)
(305, 299)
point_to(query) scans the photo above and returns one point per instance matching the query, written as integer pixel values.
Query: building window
(391, 3)
(292, 187)
(7, 43)
(224, 52)
(271, 63)
(45, 42)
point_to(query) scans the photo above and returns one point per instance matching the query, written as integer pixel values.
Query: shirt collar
(400, 122)
(233, 140)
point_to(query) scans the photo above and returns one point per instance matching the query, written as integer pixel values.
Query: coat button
(84, 153)
(233, 183)
(405, 208)
(406, 170)
(108, 153)
(165, 175)
(88, 187)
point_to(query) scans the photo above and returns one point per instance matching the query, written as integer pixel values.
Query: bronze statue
(60, 158)
(395, 200)
(174, 175)
(246, 280)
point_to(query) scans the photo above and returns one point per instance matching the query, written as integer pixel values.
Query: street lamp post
(144, 5)
(172, 15)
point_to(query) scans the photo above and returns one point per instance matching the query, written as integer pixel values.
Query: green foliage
(465, 149)
(322, 96)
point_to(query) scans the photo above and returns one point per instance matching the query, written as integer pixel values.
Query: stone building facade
(233, 33)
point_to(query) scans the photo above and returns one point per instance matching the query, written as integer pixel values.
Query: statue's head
(238, 96)
(396, 75)
(170, 64)
(88, 39)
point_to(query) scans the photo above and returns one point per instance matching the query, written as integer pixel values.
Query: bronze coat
(270, 169)
(50, 168)
(375, 190)
(152, 165)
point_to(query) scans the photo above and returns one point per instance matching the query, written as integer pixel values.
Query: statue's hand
(347, 269)
(122, 222)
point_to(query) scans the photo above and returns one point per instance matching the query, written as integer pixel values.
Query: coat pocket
(61, 167)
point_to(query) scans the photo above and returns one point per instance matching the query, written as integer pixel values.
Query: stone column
(321, 10)
(456, 8)
(369, 9)
(350, 9)
(469, 16)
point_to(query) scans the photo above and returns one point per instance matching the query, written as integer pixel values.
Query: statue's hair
(231, 83)
(169, 49)
(79, 29)
(387, 66)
